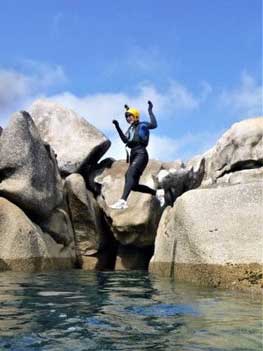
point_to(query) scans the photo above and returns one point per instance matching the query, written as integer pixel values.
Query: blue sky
(199, 61)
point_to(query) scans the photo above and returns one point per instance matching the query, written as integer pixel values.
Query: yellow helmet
(134, 112)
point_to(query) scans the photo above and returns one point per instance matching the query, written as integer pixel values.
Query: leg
(129, 182)
(138, 163)
(144, 189)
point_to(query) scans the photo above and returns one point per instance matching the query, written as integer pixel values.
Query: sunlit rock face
(214, 235)
(209, 228)
(236, 152)
(76, 142)
(29, 176)
(25, 247)
(95, 245)
(137, 224)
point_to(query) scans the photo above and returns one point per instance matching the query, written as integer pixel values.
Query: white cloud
(99, 109)
(18, 88)
(13, 87)
(246, 100)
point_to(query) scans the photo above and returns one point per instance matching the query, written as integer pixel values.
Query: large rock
(95, 245)
(75, 141)
(59, 227)
(136, 225)
(213, 236)
(25, 247)
(239, 148)
(29, 176)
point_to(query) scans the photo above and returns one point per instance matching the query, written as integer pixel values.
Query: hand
(115, 122)
(150, 105)
(126, 107)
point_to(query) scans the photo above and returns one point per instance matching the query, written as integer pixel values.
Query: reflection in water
(122, 311)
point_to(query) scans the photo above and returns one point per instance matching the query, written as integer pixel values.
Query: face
(130, 119)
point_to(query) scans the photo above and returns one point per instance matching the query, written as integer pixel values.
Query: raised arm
(153, 123)
(121, 134)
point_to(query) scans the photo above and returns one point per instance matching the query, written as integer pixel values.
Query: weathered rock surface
(24, 247)
(136, 225)
(75, 141)
(59, 227)
(213, 236)
(95, 245)
(241, 177)
(29, 175)
(240, 148)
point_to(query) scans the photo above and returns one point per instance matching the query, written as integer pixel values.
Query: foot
(120, 205)
(160, 196)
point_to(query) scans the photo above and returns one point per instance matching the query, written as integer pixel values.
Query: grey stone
(29, 176)
(240, 148)
(136, 225)
(25, 247)
(218, 228)
(95, 245)
(76, 142)
(59, 227)
(85, 216)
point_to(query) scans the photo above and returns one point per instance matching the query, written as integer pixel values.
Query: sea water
(79, 310)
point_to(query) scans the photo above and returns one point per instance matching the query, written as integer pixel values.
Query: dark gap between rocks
(243, 165)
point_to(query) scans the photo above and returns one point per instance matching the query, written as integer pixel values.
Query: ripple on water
(122, 311)
(163, 310)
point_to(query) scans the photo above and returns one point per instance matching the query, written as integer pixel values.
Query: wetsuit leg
(144, 189)
(129, 182)
(138, 163)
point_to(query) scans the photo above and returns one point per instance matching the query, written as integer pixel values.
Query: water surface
(80, 310)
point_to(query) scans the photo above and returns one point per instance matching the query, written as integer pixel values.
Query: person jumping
(137, 139)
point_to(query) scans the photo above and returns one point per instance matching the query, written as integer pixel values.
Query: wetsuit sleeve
(153, 123)
(121, 134)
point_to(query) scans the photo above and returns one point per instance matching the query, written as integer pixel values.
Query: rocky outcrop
(209, 229)
(214, 235)
(25, 247)
(76, 142)
(95, 245)
(239, 149)
(29, 175)
(136, 225)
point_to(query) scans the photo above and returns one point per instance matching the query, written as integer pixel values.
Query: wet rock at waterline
(75, 141)
(136, 225)
(29, 175)
(212, 236)
(25, 247)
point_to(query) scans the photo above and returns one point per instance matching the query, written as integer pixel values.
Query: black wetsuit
(138, 158)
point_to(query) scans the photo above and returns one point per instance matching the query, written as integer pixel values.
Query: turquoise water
(80, 310)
